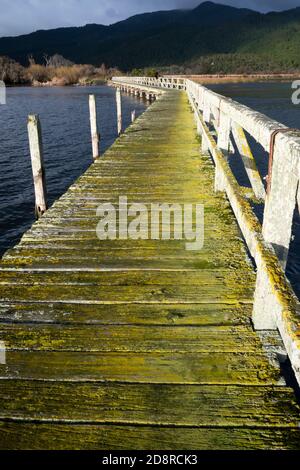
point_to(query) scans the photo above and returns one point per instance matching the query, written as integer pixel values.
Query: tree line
(58, 71)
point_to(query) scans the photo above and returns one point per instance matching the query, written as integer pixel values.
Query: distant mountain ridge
(171, 37)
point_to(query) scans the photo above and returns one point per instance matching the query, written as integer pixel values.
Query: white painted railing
(161, 82)
(275, 304)
(230, 120)
(221, 122)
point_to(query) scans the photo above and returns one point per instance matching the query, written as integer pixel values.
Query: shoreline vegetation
(57, 71)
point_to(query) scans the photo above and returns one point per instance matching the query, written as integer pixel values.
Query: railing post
(119, 110)
(223, 144)
(94, 127)
(248, 161)
(265, 307)
(204, 145)
(37, 163)
(206, 111)
(280, 204)
(277, 229)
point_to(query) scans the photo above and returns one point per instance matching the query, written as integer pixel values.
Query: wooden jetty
(141, 344)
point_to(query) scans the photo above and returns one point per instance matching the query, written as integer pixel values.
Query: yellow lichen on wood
(124, 344)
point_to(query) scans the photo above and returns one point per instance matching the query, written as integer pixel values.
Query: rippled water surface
(274, 100)
(64, 115)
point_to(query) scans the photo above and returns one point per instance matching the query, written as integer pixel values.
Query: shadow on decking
(289, 376)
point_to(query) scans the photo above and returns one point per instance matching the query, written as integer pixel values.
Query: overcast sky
(24, 16)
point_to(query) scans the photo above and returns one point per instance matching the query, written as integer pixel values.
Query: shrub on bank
(38, 73)
(11, 72)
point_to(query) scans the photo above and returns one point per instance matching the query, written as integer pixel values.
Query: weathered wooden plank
(200, 278)
(90, 224)
(124, 294)
(53, 244)
(73, 240)
(151, 404)
(90, 232)
(15, 436)
(187, 368)
(120, 262)
(114, 254)
(85, 223)
(64, 249)
(88, 218)
(143, 339)
(211, 207)
(125, 314)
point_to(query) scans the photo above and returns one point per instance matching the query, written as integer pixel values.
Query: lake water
(67, 145)
(64, 114)
(274, 100)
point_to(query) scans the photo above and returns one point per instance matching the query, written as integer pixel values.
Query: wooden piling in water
(37, 163)
(119, 111)
(94, 128)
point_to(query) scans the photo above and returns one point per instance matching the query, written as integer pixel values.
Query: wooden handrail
(281, 200)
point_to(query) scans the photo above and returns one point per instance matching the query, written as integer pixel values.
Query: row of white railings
(275, 304)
